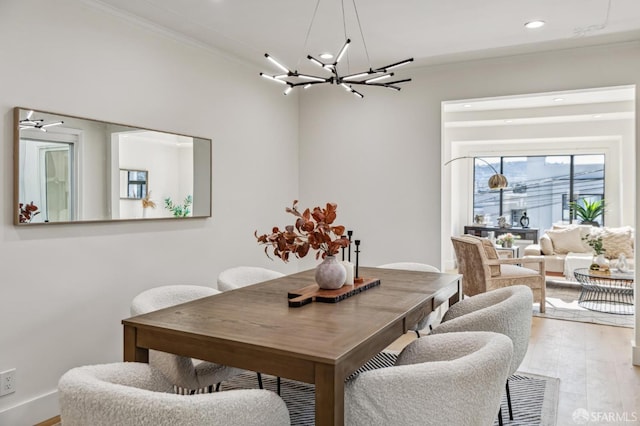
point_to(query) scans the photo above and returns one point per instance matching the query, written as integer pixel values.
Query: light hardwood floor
(593, 363)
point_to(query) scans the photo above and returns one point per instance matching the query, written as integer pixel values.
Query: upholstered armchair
(449, 379)
(185, 373)
(506, 311)
(137, 394)
(482, 270)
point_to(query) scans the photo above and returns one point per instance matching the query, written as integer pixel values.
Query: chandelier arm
(394, 65)
(364, 83)
(304, 83)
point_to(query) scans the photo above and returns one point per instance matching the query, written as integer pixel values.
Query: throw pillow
(617, 241)
(567, 240)
(491, 253)
(546, 246)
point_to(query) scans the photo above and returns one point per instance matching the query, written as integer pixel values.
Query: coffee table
(611, 293)
(254, 328)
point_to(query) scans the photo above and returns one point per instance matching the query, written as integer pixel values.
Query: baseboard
(32, 412)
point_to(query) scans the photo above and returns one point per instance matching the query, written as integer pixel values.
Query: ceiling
(431, 31)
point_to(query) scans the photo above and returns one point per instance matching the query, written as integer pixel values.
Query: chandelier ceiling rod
(372, 77)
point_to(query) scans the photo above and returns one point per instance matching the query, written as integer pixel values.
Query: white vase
(601, 260)
(330, 274)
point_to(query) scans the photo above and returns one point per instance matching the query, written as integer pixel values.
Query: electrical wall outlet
(7, 382)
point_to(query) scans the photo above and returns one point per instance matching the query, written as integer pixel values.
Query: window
(542, 186)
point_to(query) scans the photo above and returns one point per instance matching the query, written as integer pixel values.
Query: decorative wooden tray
(312, 293)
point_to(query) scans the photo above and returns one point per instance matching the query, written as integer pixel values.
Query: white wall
(380, 158)
(65, 288)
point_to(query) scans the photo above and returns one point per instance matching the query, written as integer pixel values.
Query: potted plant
(313, 230)
(595, 242)
(587, 211)
(507, 239)
(179, 210)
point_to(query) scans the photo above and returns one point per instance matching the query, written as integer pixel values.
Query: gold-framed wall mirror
(70, 169)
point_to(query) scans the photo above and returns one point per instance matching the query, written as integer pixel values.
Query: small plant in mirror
(313, 229)
(28, 212)
(179, 210)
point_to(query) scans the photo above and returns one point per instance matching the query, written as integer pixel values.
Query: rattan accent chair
(482, 270)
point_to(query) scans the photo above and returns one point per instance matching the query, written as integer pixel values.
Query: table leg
(329, 396)
(457, 296)
(131, 351)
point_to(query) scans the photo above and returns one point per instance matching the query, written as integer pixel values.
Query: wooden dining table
(320, 343)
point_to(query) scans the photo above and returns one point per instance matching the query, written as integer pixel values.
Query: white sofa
(564, 249)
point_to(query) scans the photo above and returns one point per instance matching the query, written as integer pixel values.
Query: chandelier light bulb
(276, 63)
(343, 50)
(532, 25)
(382, 77)
(269, 77)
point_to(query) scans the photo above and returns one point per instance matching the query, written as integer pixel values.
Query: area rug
(562, 303)
(534, 398)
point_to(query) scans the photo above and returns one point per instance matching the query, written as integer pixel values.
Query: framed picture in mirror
(134, 184)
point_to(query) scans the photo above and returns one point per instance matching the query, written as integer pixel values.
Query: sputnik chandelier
(378, 77)
(32, 123)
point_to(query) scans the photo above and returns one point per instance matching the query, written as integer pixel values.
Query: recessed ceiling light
(326, 55)
(597, 116)
(467, 105)
(508, 121)
(534, 24)
(558, 99)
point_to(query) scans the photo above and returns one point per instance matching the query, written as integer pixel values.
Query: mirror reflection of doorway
(57, 171)
(50, 167)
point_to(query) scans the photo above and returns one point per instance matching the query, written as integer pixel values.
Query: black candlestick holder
(349, 233)
(357, 278)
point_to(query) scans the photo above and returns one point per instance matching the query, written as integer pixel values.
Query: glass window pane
(486, 202)
(589, 179)
(541, 185)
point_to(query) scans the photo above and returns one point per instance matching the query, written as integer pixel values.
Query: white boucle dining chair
(137, 394)
(187, 374)
(506, 311)
(449, 379)
(434, 316)
(242, 276)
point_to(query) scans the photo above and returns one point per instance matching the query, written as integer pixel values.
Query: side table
(611, 293)
(508, 252)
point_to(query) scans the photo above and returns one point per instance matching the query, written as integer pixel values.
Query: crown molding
(145, 24)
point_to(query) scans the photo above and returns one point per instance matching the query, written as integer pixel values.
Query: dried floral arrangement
(28, 212)
(313, 229)
(147, 202)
